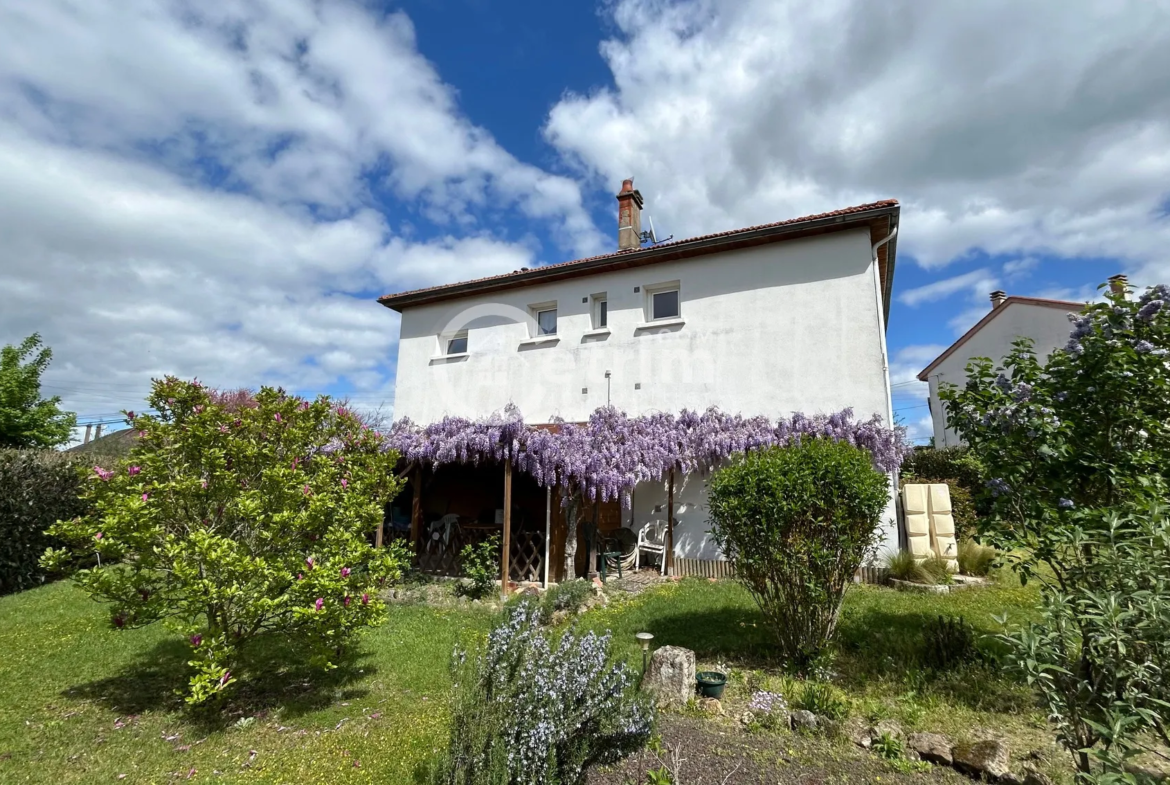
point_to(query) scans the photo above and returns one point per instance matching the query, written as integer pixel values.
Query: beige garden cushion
(930, 525)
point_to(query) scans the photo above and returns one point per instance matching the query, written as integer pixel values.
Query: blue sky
(220, 189)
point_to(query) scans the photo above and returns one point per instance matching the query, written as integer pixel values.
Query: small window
(664, 305)
(457, 344)
(546, 322)
(600, 312)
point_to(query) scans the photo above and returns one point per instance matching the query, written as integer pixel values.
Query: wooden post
(507, 527)
(416, 511)
(591, 555)
(547, 530)
(670, 525)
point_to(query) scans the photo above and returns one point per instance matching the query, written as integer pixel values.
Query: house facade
(1010, 318)
(770, 320)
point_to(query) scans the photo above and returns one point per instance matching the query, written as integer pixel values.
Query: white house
(1044, 321)
(767, 320)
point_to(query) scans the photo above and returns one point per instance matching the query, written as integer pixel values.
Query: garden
(231, 615)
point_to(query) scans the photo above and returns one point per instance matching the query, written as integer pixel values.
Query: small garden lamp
(644, 638)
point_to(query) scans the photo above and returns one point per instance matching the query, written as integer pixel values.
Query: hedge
(37, 488)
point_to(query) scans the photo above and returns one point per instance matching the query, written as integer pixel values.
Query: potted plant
(711, 683)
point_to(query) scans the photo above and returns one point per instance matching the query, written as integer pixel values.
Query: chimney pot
(998, 298)
(629, 216)
(1119, 284)
(88, 432)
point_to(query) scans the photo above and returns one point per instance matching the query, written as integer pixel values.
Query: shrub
(824, 700)
(481, 565)
(938, 569)
(769, 709)
(797, 522)
(948, 642)
(568, 596)
(904, 566)
(233, 524)
(527, 710)
(976, 559)
(37, 488)
(925, 464)
(888, 747)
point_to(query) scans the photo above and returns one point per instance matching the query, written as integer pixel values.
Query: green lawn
(82, 703)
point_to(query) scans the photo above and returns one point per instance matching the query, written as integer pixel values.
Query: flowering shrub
(770, 709)
(230, 522)
(797, 522)
(1076, 452)
(480, 562)
(531, 711)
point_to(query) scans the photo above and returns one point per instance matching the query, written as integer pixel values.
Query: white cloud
(201, 189)
(1008, 127)
(1019, 268)
(904, 368)
(977, 282)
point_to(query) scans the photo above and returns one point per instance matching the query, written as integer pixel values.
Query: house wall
(1047, 326)
(769, 330)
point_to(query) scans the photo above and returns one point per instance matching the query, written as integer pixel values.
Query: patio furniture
(651, 539)
(608, 548)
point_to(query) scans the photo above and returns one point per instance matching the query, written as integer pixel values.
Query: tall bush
(1076, 452)
(235, 521)
(37, 488)
(798, 522)
(531, 710)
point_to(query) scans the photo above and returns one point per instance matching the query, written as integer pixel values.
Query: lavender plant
(531, 710)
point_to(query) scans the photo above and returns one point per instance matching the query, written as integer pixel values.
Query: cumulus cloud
(221, 189)
(1006, 127)
(976, 281)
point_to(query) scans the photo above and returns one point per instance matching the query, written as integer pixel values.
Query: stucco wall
(791, 326)
(1047, 326)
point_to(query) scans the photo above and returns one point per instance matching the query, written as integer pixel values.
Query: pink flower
(277, 416)
(306, 490)
(347, 600)
(224, 678)
(305, 406)
(196, 639)
(145, 496)
(309, 561)
(199, 408)
(320, 603)
(300, 576)
(344, 483)
(102, 473)
(295, 462)
(345, 572)
(142, 434)
(98, 536)
(133, 470)
(204, 484)
(365, 599)
(223, 429)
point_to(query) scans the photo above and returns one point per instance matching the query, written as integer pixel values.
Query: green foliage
(976, 559)
(234, 522)
(925, 464)
(37, 488)
(824, 700)
(1076, 454)
(797, 522)
(659, 776)
(481, 565)
(527, 709)
(904, 566)
(1100, 657)
(948, 642)
(26, 419)
(568, 596)
(938, 569)
(963, 507)
(888, 747)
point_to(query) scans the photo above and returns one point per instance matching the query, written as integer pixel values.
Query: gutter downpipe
(881, 322)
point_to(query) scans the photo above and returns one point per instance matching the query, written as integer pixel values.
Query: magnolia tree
(606, 457)
(234, 517)
(1077, 452)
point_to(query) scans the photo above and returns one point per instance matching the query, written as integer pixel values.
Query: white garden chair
(651, 539)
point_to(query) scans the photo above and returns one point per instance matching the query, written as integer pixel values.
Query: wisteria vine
(610, 454)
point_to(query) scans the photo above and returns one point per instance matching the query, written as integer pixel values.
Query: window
(457, 344)
(600, 312)
(664, 305)
(546, 322)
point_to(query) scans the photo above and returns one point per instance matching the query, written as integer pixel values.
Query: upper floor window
(600, 311)
(546, 321)
(457, 344)
(664, 304)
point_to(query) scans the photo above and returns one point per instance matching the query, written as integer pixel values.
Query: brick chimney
(1119, 284)
(998, 298)
(629, 216)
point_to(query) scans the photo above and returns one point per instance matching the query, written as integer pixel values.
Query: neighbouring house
(764, 321)
(1010, 318)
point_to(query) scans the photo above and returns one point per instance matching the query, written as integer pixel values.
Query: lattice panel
(441, 557)
(526, 560)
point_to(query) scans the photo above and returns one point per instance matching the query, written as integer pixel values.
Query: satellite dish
(653, 237)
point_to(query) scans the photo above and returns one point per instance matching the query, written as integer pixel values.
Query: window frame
(451, 339)
(534, 311)
(599, 312)
(663, 288)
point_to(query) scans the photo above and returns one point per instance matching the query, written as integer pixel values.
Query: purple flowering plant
(214, 533)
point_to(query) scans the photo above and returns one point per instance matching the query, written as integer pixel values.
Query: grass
(83, 703)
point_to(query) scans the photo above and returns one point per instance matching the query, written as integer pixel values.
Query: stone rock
(711, 706)
(803, 719)
(670, 676)
(891, 728)
(858, 732)
(989, 758)
(747, 718)
(1010, 779)
(1033, 776)
(932, 747)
